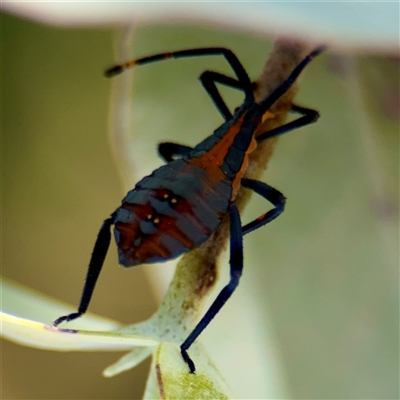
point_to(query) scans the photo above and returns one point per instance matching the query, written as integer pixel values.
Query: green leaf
(34, 334)
(175, 382)
(27, 303)
(128, 361)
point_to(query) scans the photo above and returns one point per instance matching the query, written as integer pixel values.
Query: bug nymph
(181, 204)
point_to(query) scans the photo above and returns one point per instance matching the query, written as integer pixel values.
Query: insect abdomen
(171, 211)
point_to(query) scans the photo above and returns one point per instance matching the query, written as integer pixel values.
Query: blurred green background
(59, 183)
(326, 273)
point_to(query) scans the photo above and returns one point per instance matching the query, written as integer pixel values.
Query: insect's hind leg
(275, 197)
(236, 267)
(309, 117)
(236, 255)
(95, 265)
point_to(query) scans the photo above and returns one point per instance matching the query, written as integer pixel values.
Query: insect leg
(274, 196)
(309, 116)
(168, 150)
(208, 80)
(285, 85)
(236, 264)
(95, 265)
(230, 57)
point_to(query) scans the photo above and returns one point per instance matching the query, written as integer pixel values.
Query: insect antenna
(230, 57)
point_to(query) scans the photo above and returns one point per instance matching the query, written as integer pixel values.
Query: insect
(180, 205)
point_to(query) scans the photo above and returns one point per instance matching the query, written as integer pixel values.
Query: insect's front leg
(236, 266)
(209, 79)
(95, 265)
(274, 196)
(309, 117)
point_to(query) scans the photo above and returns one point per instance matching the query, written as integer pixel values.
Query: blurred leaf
(368, 25)
(30, 304)
(46, 337)
(128, 361)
